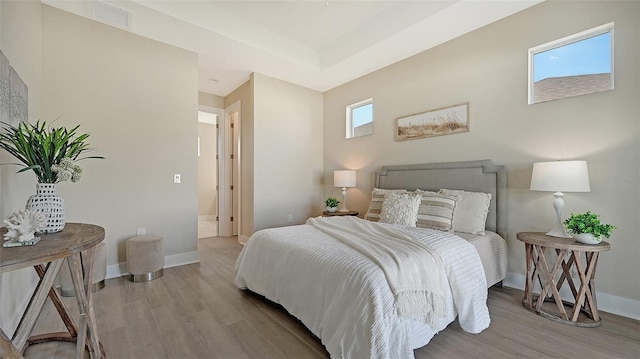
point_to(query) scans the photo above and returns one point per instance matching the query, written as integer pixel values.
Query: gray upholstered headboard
(476, 176)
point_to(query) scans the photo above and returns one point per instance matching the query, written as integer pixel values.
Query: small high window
(360, 119)
(574, 65)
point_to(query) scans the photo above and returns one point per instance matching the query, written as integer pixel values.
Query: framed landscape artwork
(443, 121)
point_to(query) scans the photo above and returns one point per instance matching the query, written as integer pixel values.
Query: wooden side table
(338, 213)
(569, 256)
(46, 258)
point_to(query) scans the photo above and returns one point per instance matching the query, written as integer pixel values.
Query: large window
(575, 65)
(360, 118)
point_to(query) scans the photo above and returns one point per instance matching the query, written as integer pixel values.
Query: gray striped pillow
(375, 206)
(436, 211)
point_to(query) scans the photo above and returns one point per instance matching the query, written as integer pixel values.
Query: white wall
(488, 69)
(287, 152)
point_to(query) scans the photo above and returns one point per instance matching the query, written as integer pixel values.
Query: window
(360, 119)
(575, 65)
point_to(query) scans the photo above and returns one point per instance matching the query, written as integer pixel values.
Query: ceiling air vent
(110, 13)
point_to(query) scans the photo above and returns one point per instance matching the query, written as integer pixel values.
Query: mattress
(492, 250)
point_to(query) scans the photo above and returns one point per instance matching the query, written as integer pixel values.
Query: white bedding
(345, 299)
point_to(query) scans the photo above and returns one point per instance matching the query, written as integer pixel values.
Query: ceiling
(317, 44)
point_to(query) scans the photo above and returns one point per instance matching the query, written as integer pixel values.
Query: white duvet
(344, 298)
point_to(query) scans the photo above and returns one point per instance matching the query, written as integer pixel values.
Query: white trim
(211, 110)
(120, 269)
(609, 303)
(349, 115)
(242, 239)
(225, 227)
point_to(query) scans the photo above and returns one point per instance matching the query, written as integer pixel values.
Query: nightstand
(569, 261)
(338, 213)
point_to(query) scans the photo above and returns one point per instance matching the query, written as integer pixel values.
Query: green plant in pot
(52, 154)
(586, 227)
(332, 204)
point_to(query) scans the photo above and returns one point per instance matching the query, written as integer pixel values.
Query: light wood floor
(195, 311)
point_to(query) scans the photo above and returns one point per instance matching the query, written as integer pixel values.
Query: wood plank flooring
(195, 311)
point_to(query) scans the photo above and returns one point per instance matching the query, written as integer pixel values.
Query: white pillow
(375, 206)
(436, 210)
(471, 213)
(400, 208)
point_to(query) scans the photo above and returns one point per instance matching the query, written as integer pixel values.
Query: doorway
(208, 168)
(219, 171)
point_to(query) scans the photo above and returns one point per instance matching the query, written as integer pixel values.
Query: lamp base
(558, 232)
(558, 229)
(344, 208)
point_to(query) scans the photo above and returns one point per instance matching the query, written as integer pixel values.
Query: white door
(230, 172)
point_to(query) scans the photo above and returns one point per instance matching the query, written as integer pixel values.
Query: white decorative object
(587, 238)
(50, 205)
(332, 209)
(344, 179)
(560, 176)
(21, 226)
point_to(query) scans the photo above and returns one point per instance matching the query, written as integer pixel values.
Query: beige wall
(287, 152)
(207, 170)
(209, 100)
(488, 69)
(21, 45)
(138, 98)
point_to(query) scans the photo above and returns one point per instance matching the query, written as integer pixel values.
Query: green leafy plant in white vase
(52, 154)
(587, 228)
(332, 204)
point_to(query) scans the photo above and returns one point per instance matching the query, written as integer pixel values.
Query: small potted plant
(586, 227)
(331, 204)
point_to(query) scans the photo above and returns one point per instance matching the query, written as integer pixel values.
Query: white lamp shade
(344, 178)
(560, 176)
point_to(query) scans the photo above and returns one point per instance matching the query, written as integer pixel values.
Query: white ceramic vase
(586, 238)
(332, 209)
(47, 202)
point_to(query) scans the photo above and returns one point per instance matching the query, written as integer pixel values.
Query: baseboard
(606, 302)
(243, 239)
(120, 269)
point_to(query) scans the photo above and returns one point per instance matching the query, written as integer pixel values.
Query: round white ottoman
(64, 282)
(145, 257)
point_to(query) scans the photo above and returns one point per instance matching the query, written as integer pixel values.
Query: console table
(46, 258)
(569, 256)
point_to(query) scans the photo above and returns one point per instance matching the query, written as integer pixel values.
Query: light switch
(176, 178)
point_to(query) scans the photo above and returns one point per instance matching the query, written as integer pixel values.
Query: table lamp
(344, 179)
(559, 177)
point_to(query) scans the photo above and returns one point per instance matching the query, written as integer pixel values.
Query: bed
(343, 295)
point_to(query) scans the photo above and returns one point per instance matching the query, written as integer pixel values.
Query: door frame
(221, 114)
(225, 227)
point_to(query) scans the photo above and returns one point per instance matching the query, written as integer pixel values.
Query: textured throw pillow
(375, 206)
(400, 208)
(472, 210)
(436, 210)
